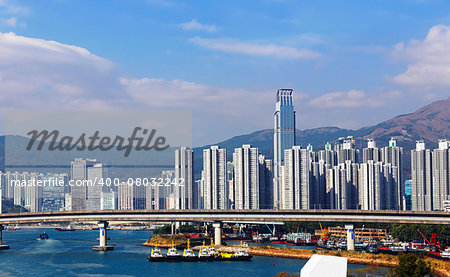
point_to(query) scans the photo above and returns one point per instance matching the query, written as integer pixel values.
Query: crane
(324, 235)
(434, 239)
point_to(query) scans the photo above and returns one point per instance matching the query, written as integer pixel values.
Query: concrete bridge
(217, 217)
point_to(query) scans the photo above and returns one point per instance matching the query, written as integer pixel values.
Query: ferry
(173, 255)
(155, 255)
(188, 254)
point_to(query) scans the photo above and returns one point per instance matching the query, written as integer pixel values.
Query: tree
(411, 265)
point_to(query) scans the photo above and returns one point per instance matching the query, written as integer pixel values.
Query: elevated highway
(243, 216)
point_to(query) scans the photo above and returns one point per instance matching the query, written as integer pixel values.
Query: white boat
(212, 251)
(188, 253)
(173, 255)
(446, 253)
(156, 255)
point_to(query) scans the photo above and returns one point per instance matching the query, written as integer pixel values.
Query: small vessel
(172, 254)
(241, 255)
(203, 254)
(188, 254)
(44, 236)
(155, 255)
(446, 253)
(69, 228)
(257, 239)
(14, 228)
(212, 250)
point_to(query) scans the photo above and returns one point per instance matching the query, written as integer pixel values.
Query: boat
(446, 253)
(241, 255)
(16, 228)
(257, 239)
(188, 254)
(204, 256)
(155, 255)
(65, 229)
(212, 250)
(44, 236)
(173, 255)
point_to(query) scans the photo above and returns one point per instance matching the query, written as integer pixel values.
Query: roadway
(242, 216)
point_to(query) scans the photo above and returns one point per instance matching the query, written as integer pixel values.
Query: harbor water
(70, 254)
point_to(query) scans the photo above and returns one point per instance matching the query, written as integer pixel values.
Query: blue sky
(350, 63)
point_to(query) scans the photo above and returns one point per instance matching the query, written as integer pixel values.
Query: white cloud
(239, 47)
(41, 74)
(429, 59)
(344, 99)
(12, 22)
(194, 25)
(10, 7)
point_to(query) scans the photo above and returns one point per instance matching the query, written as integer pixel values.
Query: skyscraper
(214, 177)
(184, 176)
(441, 174)
(296, 182)
(393, 155)
(246, 177)
(283, 137)
(265, 183)
(371, 153)
(86, 196)
(421, 175)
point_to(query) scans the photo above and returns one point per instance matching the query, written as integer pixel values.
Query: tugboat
(241, 255)
(155, 255)
(44, 236)
(212, 250)
(173, 255)
(188, 254)
(203, 254)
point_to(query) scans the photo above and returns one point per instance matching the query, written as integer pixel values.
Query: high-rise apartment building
(422, 179)
(214, 176)
(283, 137)
(296, 181)
(246, 177)
(131, 196)
(87, 185)
(265, 183)
(441, 174)
(393, 155)
(184, 178)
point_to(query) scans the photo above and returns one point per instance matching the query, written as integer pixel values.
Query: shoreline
(442, 268)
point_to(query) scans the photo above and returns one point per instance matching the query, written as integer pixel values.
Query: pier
(103, 227)
(2, 247)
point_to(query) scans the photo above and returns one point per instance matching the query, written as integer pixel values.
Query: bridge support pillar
(350, 238)
(217, 233)
(2, 247)
(102, 227)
